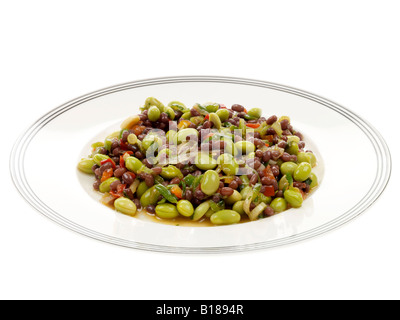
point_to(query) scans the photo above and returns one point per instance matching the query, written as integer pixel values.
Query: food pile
(226, 165)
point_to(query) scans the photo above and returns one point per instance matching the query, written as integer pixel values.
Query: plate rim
(382, 178)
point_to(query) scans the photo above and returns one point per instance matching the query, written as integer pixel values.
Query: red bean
(237, 108)
(268, 211)
(272, 119)
(226, 191)
(234, 185)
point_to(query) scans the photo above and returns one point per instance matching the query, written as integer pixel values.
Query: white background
(54, 51)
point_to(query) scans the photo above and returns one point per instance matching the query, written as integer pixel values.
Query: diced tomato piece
(269, 191)
(108, 173)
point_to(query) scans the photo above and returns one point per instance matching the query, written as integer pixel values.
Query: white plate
(354, 165)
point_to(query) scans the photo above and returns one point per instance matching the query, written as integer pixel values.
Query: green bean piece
(223, 114)
(238, 207)
(293, 197)
(201, 210)
(98, 158)
(141, 189)
(125, 206)
(150, 197)
(171, 172)
(105, 185)
(233, 198)
(166, 193)
(245, 147)
(302, 171)
(203, 161)
(167, 211)
(279, 204)
(210, 182)
(154, 114)
(85, 165)
(225, 217)
(185, 208)
(255, 112)
(133, 164)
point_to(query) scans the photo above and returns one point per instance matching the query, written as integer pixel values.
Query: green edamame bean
(203, 161)
(98, 157)
(255, 112)
(85, 165)
(154, 114)
(210, 182)
(279, 204)
(230, 147)
(183, 133)
(150, 197)
(171, 172)
(141, 189)
(313, 159)
(105, 185)
(293, 148)
(133, 164)
(245, 147)
(228, 164)
(125, 206)
(302, 171)
(211, 107)
(186, 116)
(245, 191)
(234, 197)
(185, 208)
(294, 198)
(303, 157)
(223, 114)
(213, 117)
(225, 217)
(288, 167)
(151, 101)
(201, 210)
(238, 207)
(166, 211)
(314, 180)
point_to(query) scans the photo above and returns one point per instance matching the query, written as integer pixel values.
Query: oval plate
(354, 163)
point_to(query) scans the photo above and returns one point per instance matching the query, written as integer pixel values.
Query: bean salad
(208, 162)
